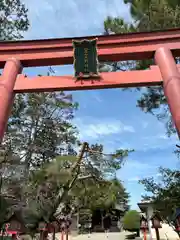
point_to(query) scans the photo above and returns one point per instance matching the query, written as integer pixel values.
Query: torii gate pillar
(11, 69)
(171, 82)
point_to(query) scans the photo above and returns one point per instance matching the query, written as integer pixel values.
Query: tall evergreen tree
(164, 192)
(13, 19)
(148, 16)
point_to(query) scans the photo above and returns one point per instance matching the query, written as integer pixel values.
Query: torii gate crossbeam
(131, 46)
(161, 46)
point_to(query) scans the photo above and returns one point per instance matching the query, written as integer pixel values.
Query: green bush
(131, 220)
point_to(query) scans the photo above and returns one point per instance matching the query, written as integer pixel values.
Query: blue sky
(109, 116)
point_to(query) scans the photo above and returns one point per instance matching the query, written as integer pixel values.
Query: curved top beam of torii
(162, 46)
(117, 47)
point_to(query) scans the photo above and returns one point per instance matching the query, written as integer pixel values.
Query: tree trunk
(102, 225)
(54, 234)
(157, 234)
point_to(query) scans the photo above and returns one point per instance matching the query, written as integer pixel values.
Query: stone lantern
(144, 223)
(42, 226)
(147, 208)
(156, 221)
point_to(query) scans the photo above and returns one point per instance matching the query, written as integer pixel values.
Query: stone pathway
(102, 236)
(98, 236)
(165, 233)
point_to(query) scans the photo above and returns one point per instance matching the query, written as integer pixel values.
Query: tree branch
(64, 191)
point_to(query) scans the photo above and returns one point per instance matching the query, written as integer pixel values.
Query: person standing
(107, 223)
(119, 225)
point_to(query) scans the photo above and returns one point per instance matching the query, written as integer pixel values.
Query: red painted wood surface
(141, 78)
(107, 80)
(171, 82)
(8, 79)
(131, 46)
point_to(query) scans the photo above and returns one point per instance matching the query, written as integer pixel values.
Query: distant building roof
(146, 201)
(143, 205)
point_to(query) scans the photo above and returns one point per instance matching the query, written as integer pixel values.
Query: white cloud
(139, 165)
(134, 179)
(134, 170)
(149, 140)
(97, 128)
(145, 124)
(156, 176)
(60, 18)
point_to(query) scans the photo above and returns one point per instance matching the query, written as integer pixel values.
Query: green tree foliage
(65, 185)
(174, 3)
(40, 133)
(131, 220)
(164, 193)
(11, 184)
(148, 15)
(138, 6)
(13, 19)
(40, 127)
(40, 175)
(106, 165)
(40, 130)
(153, 15)
(96, 191)
(102, 194)
(117, 25)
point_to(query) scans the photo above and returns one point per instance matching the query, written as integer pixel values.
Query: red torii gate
(163, 46)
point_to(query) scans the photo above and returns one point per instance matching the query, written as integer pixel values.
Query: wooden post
(54, 233)
(171, 82)
(157, 234)
(67, 234)
(62, 235)
(11, 69)
(41, 235)
(144, 233)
